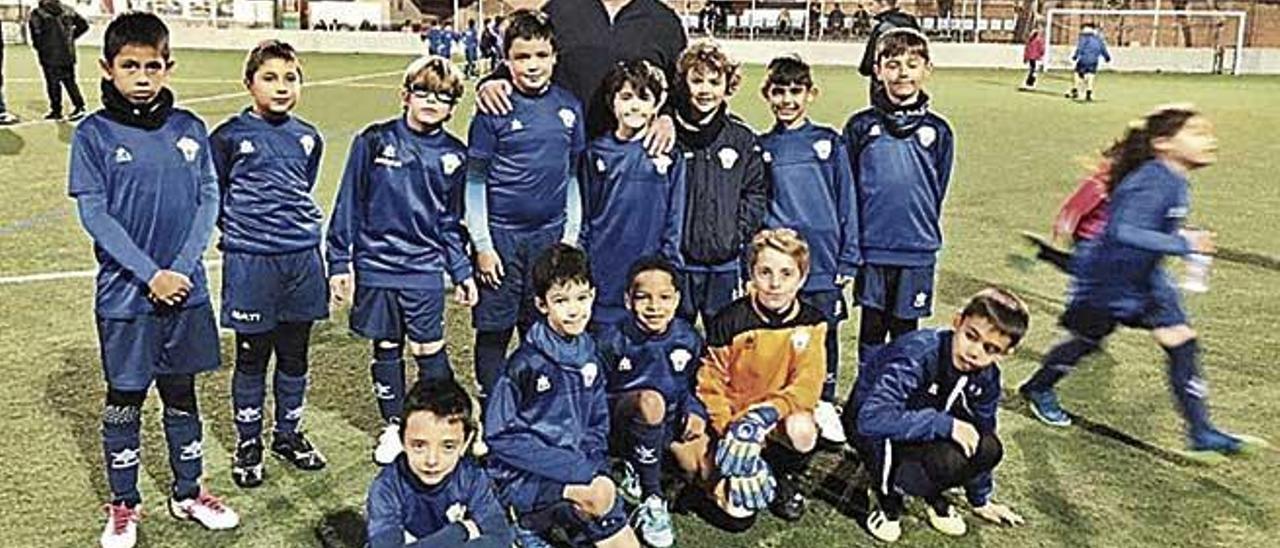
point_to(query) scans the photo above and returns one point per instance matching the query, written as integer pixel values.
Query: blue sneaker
(529, 539)
(1044, 404)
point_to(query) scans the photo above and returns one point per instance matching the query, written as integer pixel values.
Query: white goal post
(1155, 15)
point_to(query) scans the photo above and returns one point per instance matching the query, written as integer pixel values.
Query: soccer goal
(1205, 41)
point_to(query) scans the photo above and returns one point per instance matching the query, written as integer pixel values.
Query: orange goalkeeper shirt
(755, 358)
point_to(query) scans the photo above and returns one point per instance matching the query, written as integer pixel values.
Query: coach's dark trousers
(56, 78)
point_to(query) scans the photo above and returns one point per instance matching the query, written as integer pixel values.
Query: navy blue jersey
(1089, 48)
(1121, 269)
(471, 42)
(547, 413)
(813, 194)
(531, 151)
(155, 187)
(909, 391)
(398, 211)
(665, 362)
(634, 207)
(266, 172)
(399, 503)
(901, 165)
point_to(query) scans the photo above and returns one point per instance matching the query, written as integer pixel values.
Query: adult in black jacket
(54, 29)
(887, 18)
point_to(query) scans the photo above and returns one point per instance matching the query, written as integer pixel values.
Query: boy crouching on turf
(763, 371)
(546, 421)
(397, 226)
(435, 495)
(651, 363)
(144, 184)
(923, 415)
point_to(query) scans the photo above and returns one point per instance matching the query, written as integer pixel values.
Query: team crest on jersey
(456, 513)
(124, 458)
(450, 163)
(308, 144)
(516, 125)
(568, 117)
(624, 365)
(822, 149)
(927, 135)
(191, 451)
(680, 359)
(123, 156)
(600, 167)
(800, 340)
(728, 157)
(921, 300)
(544, 384)
(388, 157)
(189, 148)
(662, 164)
(874, 131)
(246, 147)
(589, 373)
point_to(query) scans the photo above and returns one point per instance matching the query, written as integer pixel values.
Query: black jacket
(54, 29)
(728, 190)
(884, 22)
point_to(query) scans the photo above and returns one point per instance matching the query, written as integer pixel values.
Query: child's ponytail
(1134, 149)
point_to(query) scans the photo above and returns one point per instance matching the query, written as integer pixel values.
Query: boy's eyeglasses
(419, 91)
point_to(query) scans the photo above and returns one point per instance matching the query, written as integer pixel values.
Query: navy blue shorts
(906, 292)
(527, 493)
(830, 302)
(260, 292)
(1094, 322)
(511, 304)
(383, 314)
(675, 422)
(1086, 68)
(706, 293)
(135, 350)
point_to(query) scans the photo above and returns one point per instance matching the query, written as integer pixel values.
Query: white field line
(72, 275)
(223, 96)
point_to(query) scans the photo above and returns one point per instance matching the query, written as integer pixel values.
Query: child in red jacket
(1032, 53)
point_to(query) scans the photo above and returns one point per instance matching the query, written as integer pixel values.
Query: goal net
(1196, 41)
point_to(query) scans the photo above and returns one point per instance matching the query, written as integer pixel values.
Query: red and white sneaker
(205, 509)
(122, 526)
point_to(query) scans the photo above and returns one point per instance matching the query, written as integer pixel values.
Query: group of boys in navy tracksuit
(609, 361)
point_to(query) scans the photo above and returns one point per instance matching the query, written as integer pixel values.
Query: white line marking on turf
(71, 275)
(222, 96)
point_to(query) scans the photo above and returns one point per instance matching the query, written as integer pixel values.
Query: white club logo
(933, 389)
(680, 359)
(249, 414)
(568, 117)
(189, 148)
(544, 384)
(927, 135)
(450, 163)
(768, 158)
(600, 167)
(728, 157)
(246, 147)
(123, 156)
(624, 365)
(308, 143)
(662, 164)
(646, 455)
(922, 299)
(800, 340)
(192, 451)
(124, 458)
(295, 414)
(382, 391)
(388, 157)
(1178, 212)
(822, 149)
(874, 131)
(589, 373)
(516, 125)
(389, 151)
(456, 513)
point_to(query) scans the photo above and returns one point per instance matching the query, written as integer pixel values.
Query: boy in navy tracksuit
(1090, 48)
(633, 202)
(1119, 280)
(728, 186)
(435, 495)
(471, 49)
(273, 284)
(922, 415)
(547, 418)
(522, 189)
(901, 154)
(651, 362)
(396, 222)
(813, 194)
(144, 184)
